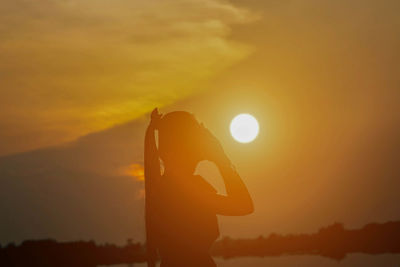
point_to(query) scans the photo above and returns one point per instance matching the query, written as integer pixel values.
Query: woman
(181, 207)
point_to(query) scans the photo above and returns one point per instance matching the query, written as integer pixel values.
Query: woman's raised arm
(238, 201)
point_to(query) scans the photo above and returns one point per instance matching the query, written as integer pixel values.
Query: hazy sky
(71, 67)
(322, 78)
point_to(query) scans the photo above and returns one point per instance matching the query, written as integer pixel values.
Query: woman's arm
(238, 201)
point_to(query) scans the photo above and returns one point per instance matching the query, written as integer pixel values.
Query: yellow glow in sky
(84, 66)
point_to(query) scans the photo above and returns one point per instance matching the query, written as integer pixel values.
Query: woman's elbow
(249, 208)
(246, 207)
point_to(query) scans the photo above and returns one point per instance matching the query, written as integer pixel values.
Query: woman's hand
(155, 119)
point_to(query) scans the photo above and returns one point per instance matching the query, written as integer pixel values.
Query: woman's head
(180, 140)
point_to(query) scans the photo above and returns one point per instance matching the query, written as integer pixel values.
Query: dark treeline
(333, 241)
(46, 253)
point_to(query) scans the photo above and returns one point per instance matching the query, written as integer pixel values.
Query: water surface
(352, 260)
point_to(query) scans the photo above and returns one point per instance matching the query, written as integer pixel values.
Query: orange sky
(320, 76)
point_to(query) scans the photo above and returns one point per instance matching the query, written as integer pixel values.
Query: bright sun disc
(244, 128)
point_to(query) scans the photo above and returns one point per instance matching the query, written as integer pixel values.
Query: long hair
(152, 174)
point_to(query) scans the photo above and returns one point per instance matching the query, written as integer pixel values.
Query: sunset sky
(78, 78)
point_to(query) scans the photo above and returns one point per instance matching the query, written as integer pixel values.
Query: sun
(244, 128)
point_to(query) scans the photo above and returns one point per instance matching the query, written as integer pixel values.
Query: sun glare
(244, 128)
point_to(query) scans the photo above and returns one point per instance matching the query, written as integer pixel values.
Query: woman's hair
(152, 175)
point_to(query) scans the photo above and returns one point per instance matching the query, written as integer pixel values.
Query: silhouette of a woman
(181, 208)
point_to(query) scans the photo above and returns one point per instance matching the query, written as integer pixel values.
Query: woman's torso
(186, 227)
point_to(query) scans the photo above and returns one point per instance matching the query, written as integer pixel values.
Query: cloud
(71, 67)
(134, 170)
